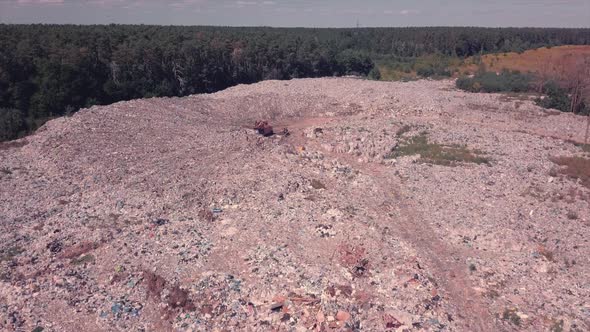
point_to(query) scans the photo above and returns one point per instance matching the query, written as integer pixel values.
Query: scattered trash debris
(391, 322)
(354, 258)
(220, 236)
(55, 246)
(160, 222)
(263, 128)
(277, 306)
(361, 268)
(342, 316)
(124, 307)
(116, 308)
(119, 205)
(207, 215)
(310, 300)
(325, 231)
(512, 315)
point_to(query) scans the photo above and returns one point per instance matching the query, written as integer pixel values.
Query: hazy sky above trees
(306, 13)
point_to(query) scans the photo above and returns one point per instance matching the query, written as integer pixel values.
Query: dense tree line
(52, 70)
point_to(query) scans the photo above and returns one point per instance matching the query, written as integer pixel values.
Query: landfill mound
(332, 204)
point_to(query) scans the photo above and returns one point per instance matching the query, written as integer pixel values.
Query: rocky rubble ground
(381, 207)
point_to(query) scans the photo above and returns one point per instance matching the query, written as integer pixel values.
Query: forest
(47, 71)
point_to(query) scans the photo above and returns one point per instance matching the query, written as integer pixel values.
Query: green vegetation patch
(511, 82)
(403, 130)
(433, 153)
(557, 326)
(83, 260)
(316, 184)
(559, 98)
(506, 81)
(437, 66)
(577, 168)
(511, 316)
(584, 146)
(9, 253)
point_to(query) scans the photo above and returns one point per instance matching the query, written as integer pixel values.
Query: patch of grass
(437, 154)
(584, 147)
(11, 252)
(397, 68)
(78, 250)
(516, 97)
(316, 184)
(506, 81)
(492, 294)
(557, 326)
(484, 107)
(577, 168)
(572, 215)
(511, 316)
(177, 297)
(558, 97)
(394, 68)
(12, 144)
(155, 284)
(405, 129)
(83, 260)
(435, 66)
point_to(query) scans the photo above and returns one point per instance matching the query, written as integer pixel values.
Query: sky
(302, 13)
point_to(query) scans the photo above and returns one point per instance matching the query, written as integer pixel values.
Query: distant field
(547, 60)
(536, 60)
(432, 65)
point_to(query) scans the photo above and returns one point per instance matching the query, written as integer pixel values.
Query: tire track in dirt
(445, 261)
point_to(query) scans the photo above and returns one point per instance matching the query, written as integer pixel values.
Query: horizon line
(299, 27)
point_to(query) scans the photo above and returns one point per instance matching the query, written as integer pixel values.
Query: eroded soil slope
(389, 206)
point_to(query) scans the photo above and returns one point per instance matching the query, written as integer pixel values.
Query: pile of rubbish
(263, 128)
